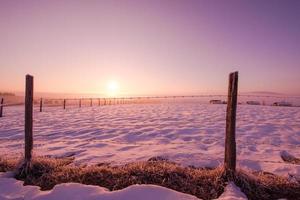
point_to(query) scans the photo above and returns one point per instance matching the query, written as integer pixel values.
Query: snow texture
(187, 133)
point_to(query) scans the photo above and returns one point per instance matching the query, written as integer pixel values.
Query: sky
(148, 47)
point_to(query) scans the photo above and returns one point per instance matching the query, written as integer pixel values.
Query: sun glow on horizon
(112, 88)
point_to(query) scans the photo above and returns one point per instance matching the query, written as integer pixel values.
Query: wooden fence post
(91, 104)
(41, 105)
(64, 104)
(28, 118)
(79, 103)
(98, 101)
(230, 144)
(1, 107)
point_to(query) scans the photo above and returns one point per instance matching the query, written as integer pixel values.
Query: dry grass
(262, 185)
(8, 164)
(203, 183)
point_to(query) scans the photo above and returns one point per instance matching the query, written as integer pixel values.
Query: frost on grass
(264, 185)
(200, 182)
(205, 184)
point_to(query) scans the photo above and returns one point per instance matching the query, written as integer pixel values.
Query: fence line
(230, 144)
(55, 102)
(156, 97)
(230, 140)
(145, 99)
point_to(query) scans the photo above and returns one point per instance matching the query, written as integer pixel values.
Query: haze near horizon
(150, 47)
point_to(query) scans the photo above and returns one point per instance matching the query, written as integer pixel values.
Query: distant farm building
(282, 103)
(253, 102)
(215, 101)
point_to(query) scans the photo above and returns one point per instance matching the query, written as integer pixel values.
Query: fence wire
(110, 105)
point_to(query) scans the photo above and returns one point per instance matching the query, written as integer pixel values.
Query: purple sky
(150, 47)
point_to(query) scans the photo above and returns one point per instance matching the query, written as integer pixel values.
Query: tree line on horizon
(7, 94)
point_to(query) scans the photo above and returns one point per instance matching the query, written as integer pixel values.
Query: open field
(188, 133)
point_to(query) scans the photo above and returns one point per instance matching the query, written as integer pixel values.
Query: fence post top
(234, 73)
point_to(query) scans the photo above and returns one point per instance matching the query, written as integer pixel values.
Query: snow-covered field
(10, 189)
(187, 133)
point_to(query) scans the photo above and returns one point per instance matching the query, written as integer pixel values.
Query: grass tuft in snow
(263, 185)
(201, 182)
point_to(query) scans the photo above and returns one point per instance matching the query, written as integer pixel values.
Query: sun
(112, 88)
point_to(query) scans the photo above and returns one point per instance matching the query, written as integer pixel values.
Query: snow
(232, 192)
(12, 189)
(187, 133)
(148, 192)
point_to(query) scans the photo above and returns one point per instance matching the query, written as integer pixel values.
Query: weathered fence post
(230, 144)
(98, 101)
(41, 105)
(79, 103)
(91, 104)
(64, 103)
(1, 107)
(28, 118)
